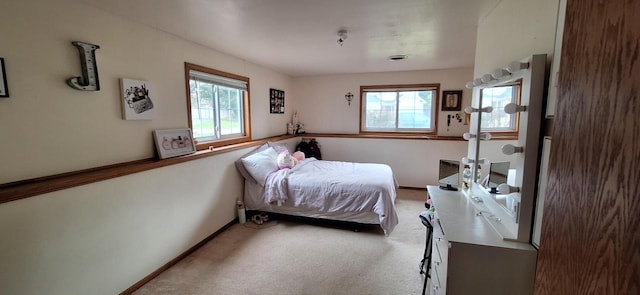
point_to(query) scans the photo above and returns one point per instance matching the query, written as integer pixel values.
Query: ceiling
(299, 37)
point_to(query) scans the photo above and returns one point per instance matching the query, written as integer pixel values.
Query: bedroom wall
(513, 30)
(103, 237)
(322, 107)
(414, 162)
(55, 128)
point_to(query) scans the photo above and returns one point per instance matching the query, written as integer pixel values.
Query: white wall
(48, 125)
(513, 30)
(414, 162)
(103, 237)
(322, 107)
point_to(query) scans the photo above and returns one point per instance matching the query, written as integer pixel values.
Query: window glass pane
(399, 110)
(380, 110)
(414, 109)
(498, 98)
(231, 119)
(202, 109)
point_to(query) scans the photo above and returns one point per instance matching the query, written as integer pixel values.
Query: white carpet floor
(296, 257)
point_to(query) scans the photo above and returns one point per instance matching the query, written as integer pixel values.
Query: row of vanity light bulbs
(511, 108)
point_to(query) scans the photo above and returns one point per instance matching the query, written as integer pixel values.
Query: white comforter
(329, 186)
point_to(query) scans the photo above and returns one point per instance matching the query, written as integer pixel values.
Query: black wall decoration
(276, 101)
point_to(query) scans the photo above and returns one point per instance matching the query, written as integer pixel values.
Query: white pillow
(261, 164)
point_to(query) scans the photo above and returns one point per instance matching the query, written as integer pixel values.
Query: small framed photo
(136, 99)
(452, 100)
(173, 142)
(276, 101)
(4, 87)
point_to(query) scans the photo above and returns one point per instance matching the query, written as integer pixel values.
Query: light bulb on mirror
(471, 109)
(477, 82)
(517, 66)
(486, 78)
(507, 189)
(469, 84)
(468, 161)
(509, 149)
(483, 136)
(512, 108)
(499, 73)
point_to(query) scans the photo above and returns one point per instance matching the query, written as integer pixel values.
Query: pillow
(240, 165)
(285, 160)
(261, 164)
(279, 147)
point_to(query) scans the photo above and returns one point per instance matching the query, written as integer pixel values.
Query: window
(218, 106)
(399, 108)
(498, 97)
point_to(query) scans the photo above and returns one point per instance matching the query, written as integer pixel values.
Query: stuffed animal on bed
(285, 160)
(298, 156)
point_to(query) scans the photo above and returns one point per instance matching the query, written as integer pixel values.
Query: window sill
(386, 136)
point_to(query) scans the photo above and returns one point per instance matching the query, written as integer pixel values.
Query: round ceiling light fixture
(397, 57)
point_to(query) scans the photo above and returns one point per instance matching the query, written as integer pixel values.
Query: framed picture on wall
(4, 88)
(173, 142)
(276, 101)
(451, 100)
(136, 99)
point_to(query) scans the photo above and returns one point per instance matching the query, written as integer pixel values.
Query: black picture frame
(4, 87)
(451, 100)
(276, 101)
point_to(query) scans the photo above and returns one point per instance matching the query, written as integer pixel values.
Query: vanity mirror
(507, 105)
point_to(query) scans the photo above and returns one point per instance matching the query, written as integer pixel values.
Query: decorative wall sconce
(509, 149)
(349, 98)
(513, 108)
(342, 35)
(483, 136)
(470, 109)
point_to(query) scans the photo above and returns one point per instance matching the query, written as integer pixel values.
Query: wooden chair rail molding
(22, 189)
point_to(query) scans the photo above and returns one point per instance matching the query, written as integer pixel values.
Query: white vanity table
(481, 245)
(468, 254)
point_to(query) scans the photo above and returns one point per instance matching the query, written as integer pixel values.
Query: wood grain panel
(590, 241)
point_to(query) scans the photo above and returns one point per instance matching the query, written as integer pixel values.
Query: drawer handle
(438, 239)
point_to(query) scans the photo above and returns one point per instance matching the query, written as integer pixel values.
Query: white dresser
(468, 254)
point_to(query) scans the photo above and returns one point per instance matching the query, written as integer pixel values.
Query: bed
(344, 191)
